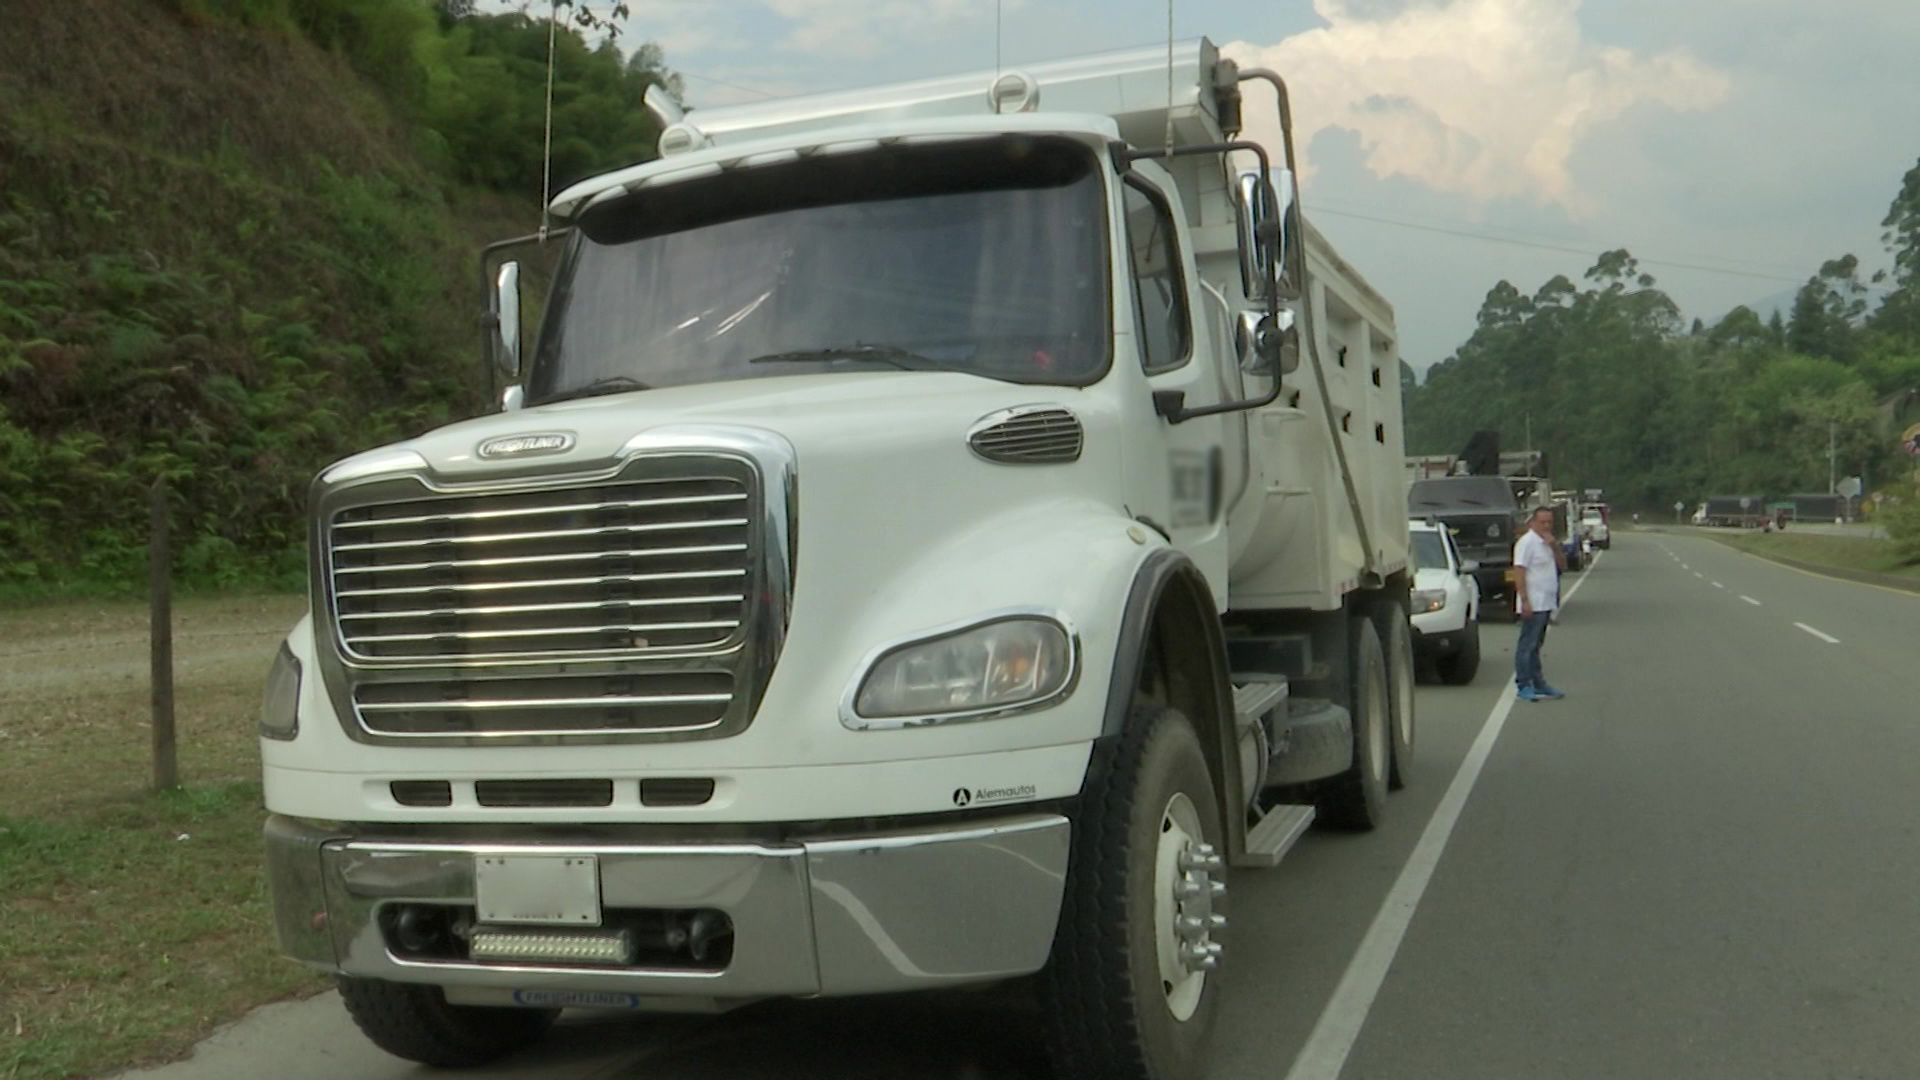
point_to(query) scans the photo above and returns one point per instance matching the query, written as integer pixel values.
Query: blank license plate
(551, 889)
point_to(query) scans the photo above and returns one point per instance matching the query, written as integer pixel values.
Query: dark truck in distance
(1482, 515)
(1737, 511)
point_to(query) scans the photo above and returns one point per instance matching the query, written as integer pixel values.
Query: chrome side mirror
(1261, 216)
(513, 397)
(1268, 345)
(506, 319)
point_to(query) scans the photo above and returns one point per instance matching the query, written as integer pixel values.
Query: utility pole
(1832, 482)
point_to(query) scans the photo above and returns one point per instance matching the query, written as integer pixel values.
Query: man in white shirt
(1536, 592)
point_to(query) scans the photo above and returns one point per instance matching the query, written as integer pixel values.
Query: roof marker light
(1013, 92)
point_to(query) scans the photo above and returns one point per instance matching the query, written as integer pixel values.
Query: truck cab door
(1182, 470)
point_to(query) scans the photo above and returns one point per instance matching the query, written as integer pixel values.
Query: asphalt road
(1701, 864)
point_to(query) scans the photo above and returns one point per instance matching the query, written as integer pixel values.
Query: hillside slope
(224, 259)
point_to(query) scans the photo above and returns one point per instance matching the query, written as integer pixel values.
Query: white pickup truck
(939, 535)
(1593, 527)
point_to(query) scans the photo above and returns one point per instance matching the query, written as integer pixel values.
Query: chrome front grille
(665, 701)
(645, 601)
(629, 565)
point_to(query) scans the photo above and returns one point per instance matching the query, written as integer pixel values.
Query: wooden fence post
(166, 771)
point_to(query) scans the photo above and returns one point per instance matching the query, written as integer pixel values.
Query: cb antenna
(546, 153)
(1169, 78)
(996, 40)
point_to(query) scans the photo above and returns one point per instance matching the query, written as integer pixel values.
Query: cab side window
(1159, 293)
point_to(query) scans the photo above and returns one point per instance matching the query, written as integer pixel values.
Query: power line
(729, 85)
(1563, 249)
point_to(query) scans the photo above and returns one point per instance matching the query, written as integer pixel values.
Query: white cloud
(839, 28)
(1484, 98)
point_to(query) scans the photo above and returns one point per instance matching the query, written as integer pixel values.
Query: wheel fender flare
(1170, 591)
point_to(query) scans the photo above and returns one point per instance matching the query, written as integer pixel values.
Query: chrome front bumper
(933, 906)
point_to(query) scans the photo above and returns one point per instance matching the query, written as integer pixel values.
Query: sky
(1731, 145)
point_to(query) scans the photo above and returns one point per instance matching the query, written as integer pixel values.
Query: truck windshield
(1429, 551)
(986, 256)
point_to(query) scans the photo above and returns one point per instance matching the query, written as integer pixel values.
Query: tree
(1826, 312)
(1903, 229)
(1899, 314)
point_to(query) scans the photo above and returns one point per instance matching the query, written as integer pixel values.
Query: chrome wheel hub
(1187, 883)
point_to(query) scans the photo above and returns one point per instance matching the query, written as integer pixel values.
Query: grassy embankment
(1858, 557)
(222, 260)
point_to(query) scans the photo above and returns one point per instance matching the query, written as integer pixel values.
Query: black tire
(1108, 1012)
(1357, 798)
(1460, 668)
(417, 1023)
(1396, 636)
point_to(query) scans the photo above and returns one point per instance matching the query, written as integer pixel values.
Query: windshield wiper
(904, 359)
(612, 384)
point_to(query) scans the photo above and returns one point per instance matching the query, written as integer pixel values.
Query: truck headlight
(1425, 600)
(280, 708)
(982, 670)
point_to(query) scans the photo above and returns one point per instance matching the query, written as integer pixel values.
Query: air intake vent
(1028, 435)
(543, 792)
(422, 792)
(676, 791)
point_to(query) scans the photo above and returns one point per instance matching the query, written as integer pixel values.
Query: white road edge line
(1828, 638)
(1338, 1028)
(1750, 600)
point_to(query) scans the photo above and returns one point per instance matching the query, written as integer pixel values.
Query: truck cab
(1484, 518)
(934, 536)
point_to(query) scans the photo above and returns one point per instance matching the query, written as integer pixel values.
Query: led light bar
(612, 947)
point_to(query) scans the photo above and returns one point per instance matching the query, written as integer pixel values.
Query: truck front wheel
(417, 1023)
(1130, 991)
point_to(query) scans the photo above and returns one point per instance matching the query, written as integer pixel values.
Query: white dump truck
(939, 534)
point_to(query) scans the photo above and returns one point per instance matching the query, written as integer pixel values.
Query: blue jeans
(1526, 655)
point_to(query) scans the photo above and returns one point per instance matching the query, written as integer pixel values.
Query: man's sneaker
(1544, 691)
(1526, 694)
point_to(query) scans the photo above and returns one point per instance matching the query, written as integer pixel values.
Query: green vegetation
(238, 240)
(1861, 554)
(1625, 397)
(104, 969)
(1902, 522)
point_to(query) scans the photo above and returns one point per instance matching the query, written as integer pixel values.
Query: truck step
(1276, 833)
(1254, 700)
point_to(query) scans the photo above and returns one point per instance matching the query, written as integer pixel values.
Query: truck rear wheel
(1357, 798)
(417, 1023)
(1397, 639)
(1130, 992)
